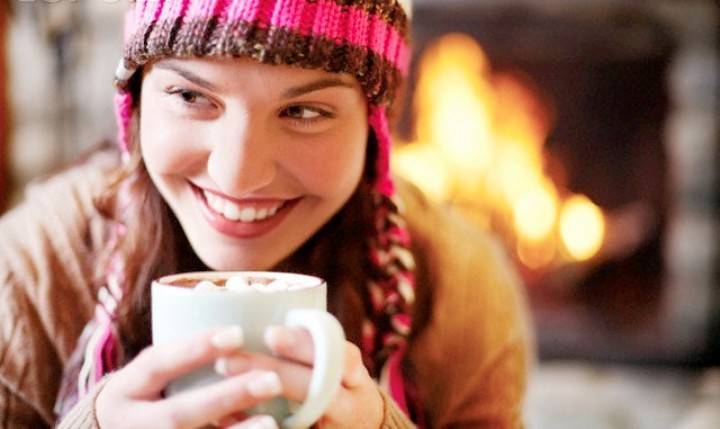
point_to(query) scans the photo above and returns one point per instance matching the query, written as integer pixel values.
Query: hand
(357, 404)
(132, 397)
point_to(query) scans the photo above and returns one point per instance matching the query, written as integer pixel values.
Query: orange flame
(479, 144)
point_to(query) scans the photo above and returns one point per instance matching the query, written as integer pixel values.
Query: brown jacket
(471, 360)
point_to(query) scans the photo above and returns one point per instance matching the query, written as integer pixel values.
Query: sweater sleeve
(16, 412)
(82, 415)
(393, 416)
(27, 360)
(47, 246)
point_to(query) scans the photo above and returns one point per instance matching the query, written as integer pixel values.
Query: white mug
(179, 311)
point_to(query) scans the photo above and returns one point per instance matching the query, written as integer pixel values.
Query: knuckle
(145, 356)
(155, 374)
(174, 419)
(235, 398)
(197, 351)
(353, 354)
(230, 403)
(147, 359)
(355, 373)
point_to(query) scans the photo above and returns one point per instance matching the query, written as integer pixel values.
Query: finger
(256, 422)
(231, 419)
(361, 407)
(295, 377)
(291, 343)
(150, 372)
(354, 374)
(297, 345)
(202, 406)
(340, 407)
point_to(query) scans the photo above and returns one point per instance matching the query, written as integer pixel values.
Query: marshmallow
(206, 285)
(258, 287)
(237, 284)
(274, 286)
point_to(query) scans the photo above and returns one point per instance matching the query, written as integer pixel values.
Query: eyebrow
(188, 75)
(317, 85)
(292, 92)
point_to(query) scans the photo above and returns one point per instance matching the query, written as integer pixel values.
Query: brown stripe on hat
(200, 38)
(391, 11)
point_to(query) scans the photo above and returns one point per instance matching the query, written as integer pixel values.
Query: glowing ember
(582, 227)
(479, 145)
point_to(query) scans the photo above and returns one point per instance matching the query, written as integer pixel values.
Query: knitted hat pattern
(367, 39)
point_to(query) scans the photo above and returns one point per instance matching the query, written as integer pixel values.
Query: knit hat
(367, 39)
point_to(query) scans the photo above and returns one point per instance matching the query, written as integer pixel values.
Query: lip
(239, 229)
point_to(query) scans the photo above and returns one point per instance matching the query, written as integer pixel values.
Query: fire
(582, 227)
(479, 144)
(535, 211)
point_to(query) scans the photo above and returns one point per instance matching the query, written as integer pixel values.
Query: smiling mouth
(246, 213)
(251, 211)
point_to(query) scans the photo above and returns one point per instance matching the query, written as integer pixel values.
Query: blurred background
(584, 133)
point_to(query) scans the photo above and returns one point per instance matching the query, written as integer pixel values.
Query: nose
(242, 158)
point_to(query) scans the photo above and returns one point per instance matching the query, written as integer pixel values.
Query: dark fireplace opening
(607, 74)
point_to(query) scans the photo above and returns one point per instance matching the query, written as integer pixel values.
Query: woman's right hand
(133, 395)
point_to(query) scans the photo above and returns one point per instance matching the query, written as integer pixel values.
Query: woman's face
(253, 159)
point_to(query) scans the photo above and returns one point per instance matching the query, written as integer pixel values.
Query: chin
(233, 263)
(230, 260)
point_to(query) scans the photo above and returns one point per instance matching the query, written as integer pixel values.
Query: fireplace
(607, 102)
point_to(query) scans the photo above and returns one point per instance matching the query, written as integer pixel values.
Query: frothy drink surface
(242, 284)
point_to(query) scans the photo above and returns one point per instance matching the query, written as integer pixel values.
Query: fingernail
(277, 336)
(221, 366)
(264, 384)
(263, 422)
(232, 365)
(256, 422)
(228, 339)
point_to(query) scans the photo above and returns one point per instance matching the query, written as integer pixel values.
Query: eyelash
(185, 94)
(300, 122)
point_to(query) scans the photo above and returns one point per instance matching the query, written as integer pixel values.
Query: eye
(189, 97)
(301, 112)
(305, 113)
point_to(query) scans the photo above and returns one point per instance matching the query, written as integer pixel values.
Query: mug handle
(329, 342)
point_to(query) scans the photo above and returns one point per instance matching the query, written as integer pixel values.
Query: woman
(253, 136)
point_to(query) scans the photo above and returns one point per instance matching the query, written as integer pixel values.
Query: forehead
(232, 74)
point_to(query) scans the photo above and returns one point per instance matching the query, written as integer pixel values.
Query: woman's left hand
(357, 404)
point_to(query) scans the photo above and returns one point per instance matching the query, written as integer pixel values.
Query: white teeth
(231, 211)
(247, 214)
(235, 212)
(215, 202)
(262, 214)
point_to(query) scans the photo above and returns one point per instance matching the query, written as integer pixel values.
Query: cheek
(167, 144)
(336, 167)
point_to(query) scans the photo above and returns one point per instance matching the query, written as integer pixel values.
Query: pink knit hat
(367, 39)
